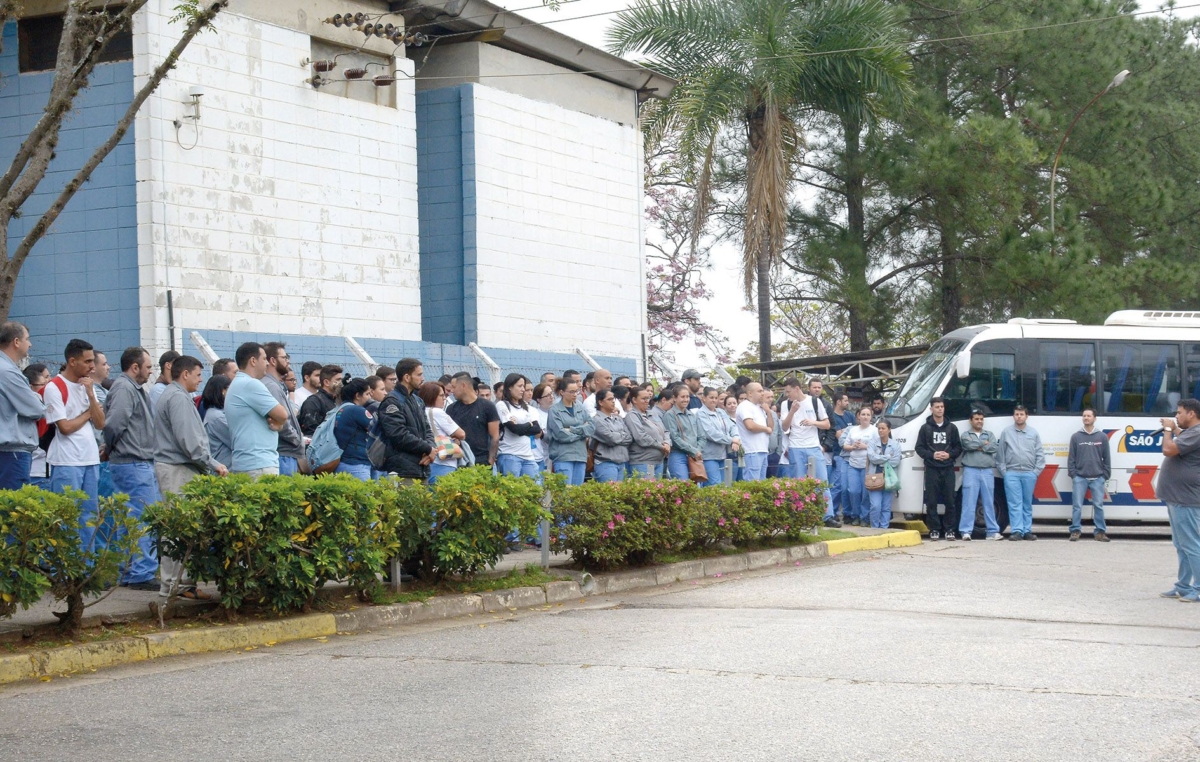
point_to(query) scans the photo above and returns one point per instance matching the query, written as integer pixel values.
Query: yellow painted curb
(903, 539)
(16, 667)
(205, 639)
(89, 657)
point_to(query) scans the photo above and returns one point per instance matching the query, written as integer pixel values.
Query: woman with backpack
(444, 427)
(352, 429)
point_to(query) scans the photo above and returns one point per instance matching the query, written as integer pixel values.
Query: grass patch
(765, 544)
(419, 591)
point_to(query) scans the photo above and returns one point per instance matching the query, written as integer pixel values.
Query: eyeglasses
(546, 397)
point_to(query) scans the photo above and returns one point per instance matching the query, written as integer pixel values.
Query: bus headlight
(907, 453)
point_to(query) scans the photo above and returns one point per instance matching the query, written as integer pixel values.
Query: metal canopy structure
(880, 369)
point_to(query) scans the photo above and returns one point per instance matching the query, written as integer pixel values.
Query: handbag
(874, 482)
(444, 447)
(696, 470)
(891, 482)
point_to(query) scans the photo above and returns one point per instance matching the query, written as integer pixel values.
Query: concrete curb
(89, 657)
(903, 539)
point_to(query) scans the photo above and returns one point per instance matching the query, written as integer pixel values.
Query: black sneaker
(832, 523)
(935, 536)
(1015, 536)
(1029, 536)
(951, 536)
(1074, 536)
(150, 584)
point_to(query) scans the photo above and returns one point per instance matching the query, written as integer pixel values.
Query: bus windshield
(925, 378)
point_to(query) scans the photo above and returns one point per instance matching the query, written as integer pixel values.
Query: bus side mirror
(962, 365)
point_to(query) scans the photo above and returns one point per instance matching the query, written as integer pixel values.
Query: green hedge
(610, 524)
(273, 542)
(41, 552)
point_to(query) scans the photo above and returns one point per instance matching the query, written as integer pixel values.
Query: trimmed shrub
(473, 510)
(41, 552)
(274, 541)
(606, 525)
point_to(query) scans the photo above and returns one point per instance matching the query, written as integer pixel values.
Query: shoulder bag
(696, 470)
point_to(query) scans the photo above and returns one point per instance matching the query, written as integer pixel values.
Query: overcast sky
(725, 310)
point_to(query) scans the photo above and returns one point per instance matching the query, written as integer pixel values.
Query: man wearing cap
(692, 378)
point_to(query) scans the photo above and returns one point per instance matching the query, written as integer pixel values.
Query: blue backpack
(323, 453)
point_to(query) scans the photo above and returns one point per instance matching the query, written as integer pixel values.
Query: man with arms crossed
(1179, 488)
(254, 416)
(755, 422)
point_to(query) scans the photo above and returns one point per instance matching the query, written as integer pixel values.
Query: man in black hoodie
(938, 445)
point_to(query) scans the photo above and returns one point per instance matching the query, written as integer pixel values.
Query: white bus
(1132, 370)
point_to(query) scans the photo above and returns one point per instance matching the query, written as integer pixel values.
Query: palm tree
(756, 66)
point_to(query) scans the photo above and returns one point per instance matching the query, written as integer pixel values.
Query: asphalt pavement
(1043, 650)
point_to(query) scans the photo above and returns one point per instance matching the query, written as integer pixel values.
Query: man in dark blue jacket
(403, 426)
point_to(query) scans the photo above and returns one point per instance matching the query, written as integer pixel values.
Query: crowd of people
(84, 430)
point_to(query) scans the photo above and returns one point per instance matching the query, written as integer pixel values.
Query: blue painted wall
(438, 358)
(82, 278)
(445, 198)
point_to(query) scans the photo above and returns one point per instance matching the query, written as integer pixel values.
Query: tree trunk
(951, 288)
(856, 288)
(764, 301)
(73, 621)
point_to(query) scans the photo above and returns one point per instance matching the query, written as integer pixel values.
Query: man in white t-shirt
(74, 455)
(601, 379)
(804, 418)
(755, 422)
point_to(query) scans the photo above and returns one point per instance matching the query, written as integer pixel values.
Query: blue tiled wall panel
(440, 193)
(438, 358)
(81, 279)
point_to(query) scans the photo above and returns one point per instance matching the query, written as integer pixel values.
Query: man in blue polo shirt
(255, 417)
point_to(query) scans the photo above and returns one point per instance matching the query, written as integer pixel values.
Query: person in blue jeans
(1179, 488)
(1020, 459)
(610, 439)
(755, 422)
(520, 427)
(841, 420)
(352, 429)
(650, 444)
(129, 439)
(687, 440)
(20, 408)
(720, 437)
(883, 451)
(803, 420)
(1089, 465)
(74, 454)
(568, 429)
(856, 442)
(978, 484)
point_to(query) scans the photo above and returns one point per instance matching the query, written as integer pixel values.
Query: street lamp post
(1116, 81)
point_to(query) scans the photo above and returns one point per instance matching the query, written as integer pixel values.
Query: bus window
(1141, 378)
(1067, 376)
(927, 375)
(991, 387)
(1193, 370)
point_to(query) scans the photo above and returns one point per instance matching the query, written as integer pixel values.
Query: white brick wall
(295, 213)
(560, 190)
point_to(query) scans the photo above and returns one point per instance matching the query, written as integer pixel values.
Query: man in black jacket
(316, 407)
(939, 446)
(403, 425)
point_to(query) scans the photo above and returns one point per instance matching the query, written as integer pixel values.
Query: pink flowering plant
(628, 523)
(612, 524)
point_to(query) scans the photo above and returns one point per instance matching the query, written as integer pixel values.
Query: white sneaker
(996, 536)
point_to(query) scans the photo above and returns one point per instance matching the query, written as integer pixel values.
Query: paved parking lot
(949, 651)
